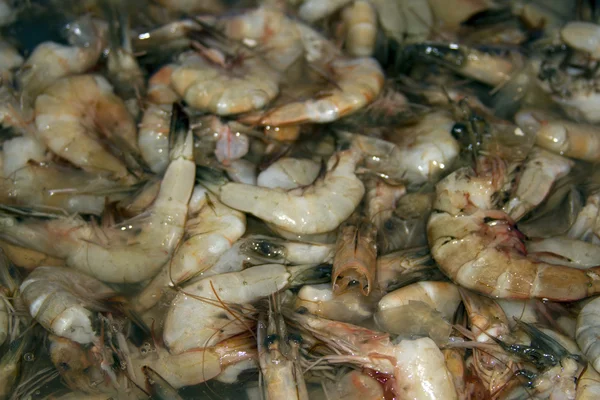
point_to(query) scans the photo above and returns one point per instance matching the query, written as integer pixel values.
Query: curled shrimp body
(129, 253)
(417, 366)
(580, 141)
(212, 228)
(224, 90)
(477, 247)
(214, 308)
(541, 169)
(51, 61)
(317, 208)
(192, 367)
(63, 301)
(75, 114)
(357, 83)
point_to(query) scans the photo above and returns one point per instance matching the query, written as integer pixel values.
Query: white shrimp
(289, 173)
(212, 228)
(417, 366)
(215, 308)
(189, 368)
(587, 224)
(423, 308)
(63, 301)
(27, 258)
(350, 306)
(415, 154)
(570, 139)
(476, 246)
(51, 61)
(224, 88)
(588, 385)
(75, 115)
(127, 253)
(10, 59)
(540, 171)
(360, 25)
(317, 208)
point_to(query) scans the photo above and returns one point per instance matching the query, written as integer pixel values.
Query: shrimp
(350, 306)
(540, 170)
(416, 366)
(403, 265)
(415, 154)
(477, 247)
(224, 87)
(317, 208)
(586, 332)
(488, 323)
(159, 87)
(27, 258)
(360, 24)
(10, 364)
(580, 141)
(355, 385)
(191, 367)
(76, 114)
(314, 10)
(587, 223)
(128, 253)
(212, 309)
(289, 173)
(357, 83)
(420, 309)
(210, 231)
(9, 61)
(355, 256)
(63, 301)
(51, 61)
(158, 387)
(283, 377)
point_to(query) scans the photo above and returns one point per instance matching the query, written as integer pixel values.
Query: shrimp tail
(310, 274)
(179, 128)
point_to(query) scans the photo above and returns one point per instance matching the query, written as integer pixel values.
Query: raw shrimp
(63, 301)
(75, 115)
(417, 366)
(314, 10)
(355, 256)
(10, 59)
(289, 173)
(192, 367)
(317, 208)
(212, 309)
(477, 247)
(350, 306)
(416, 154)
(540, 170)
(394, 268)
(10, 364)
(283, 376)
(158, 387)
(27, 258)
(132, 252)
(358, 82)
(360, 26)
(210, 231)
(224, 87)
(580, 141)
(565, 251)
(488, 323)
(159, 87)
(420, 309)
(586, 334)
(51, 61)
(354, 385)
(153, 136)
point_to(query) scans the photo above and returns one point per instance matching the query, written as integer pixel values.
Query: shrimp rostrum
(131, 252)
(479, 248)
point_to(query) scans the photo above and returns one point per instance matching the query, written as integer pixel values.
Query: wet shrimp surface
(299, 199)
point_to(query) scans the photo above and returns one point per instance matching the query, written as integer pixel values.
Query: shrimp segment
(479, 249)
(131, 253)
(72, 116)
(318, 208)
(588, 324)
(63, 301)
(358, 82)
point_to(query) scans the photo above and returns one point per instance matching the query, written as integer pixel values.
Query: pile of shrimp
(299, 199)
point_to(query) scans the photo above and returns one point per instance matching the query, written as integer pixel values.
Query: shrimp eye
(271, 339)
(302, 310)
(64, 366)
(389, 225)
(294, 337)
(458, 130)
